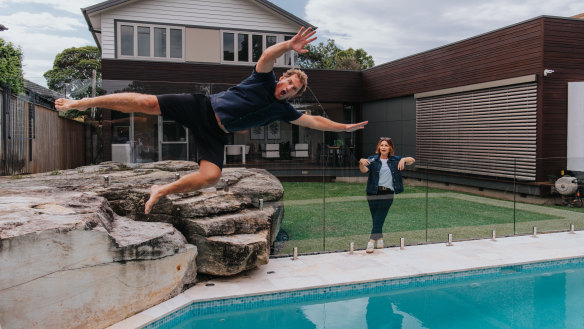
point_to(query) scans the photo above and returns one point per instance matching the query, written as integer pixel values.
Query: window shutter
(490, 132)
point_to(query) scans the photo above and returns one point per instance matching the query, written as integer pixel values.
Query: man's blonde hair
(301, 76)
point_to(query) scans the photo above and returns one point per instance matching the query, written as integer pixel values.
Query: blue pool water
(542, 295)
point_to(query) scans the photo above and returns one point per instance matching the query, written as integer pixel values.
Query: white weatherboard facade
(243, 15)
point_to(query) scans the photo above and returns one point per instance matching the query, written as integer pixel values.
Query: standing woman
(384, 181)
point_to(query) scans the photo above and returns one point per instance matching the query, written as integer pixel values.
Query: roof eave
(91, 29)
(285, 13)
(110, 3)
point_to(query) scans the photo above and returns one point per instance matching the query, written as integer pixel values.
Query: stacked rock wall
(76, 252)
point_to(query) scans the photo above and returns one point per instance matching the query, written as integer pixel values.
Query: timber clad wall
(564, 53)
(507, 53)
(327, 85)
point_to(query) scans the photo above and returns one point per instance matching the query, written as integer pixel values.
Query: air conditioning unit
(566, 185)
(121, 153)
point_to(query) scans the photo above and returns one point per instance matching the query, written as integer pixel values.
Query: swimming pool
(534, 295)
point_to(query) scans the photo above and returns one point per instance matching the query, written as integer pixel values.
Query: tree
(330, 56)
(11, 67)
(72, 74)
(72, 71)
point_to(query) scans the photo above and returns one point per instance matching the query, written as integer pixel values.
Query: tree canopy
(72, 71)
(11, 67)
(330, 56)
(72, 74)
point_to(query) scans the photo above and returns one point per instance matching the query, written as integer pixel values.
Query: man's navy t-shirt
(252, 103)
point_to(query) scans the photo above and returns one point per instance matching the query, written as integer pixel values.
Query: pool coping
(340, 269)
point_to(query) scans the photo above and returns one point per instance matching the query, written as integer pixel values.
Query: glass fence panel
(300, 158)
(398, 215)
(293, 154)
(353, 215)
(302, 224)
(346, 213)
(409, 211)
(552, 203)
(466, 205)
(324, 206)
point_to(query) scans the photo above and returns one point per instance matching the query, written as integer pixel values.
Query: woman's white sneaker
(369, 247)
(379, 244)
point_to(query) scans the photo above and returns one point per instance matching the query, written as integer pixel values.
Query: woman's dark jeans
(379, 205)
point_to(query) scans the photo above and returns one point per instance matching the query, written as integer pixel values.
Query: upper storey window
(144, 41)
(247, 47)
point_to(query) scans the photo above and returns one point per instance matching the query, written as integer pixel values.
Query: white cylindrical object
(352, 248)
(402, 243)
(494, 236)
(535, 231)
(449, 239)
(295, 254)
(572, 229)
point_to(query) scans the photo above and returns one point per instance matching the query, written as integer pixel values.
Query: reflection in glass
(159, 42)
(228, 50)
(270, 40)
(120, 127)
(174, 152)
(173, 132)
(243, 47)
(257, 47)
(145, 138)
(127, 40)
(175, 43)
(288, 56)
(143, 41)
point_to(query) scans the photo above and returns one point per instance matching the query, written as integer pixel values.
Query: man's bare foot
(155, 194)
(64, 104)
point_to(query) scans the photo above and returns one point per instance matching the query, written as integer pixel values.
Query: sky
(387, 29)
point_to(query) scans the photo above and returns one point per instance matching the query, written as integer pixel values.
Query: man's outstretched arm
(302, 38)
(322, 123)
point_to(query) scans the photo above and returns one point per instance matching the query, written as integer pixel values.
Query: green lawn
(311, 190)
(343, 216)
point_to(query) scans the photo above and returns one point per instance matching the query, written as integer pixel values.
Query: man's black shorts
(194, 112)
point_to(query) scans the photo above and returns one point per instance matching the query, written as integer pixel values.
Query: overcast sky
(386, 29)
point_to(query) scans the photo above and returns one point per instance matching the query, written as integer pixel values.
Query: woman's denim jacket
(374, 168)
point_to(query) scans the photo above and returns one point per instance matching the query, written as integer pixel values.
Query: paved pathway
(284, 274)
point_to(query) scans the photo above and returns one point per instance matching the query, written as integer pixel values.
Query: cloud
(28, 22)
(42, 29)
(35, 68)
(73, 7)
(44, 42)
(40, 48)
(393, 29)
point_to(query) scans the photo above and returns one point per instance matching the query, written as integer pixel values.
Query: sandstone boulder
(77, 250)
(68, 261)
(234, 201)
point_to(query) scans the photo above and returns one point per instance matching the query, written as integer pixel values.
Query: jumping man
(256, 101)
